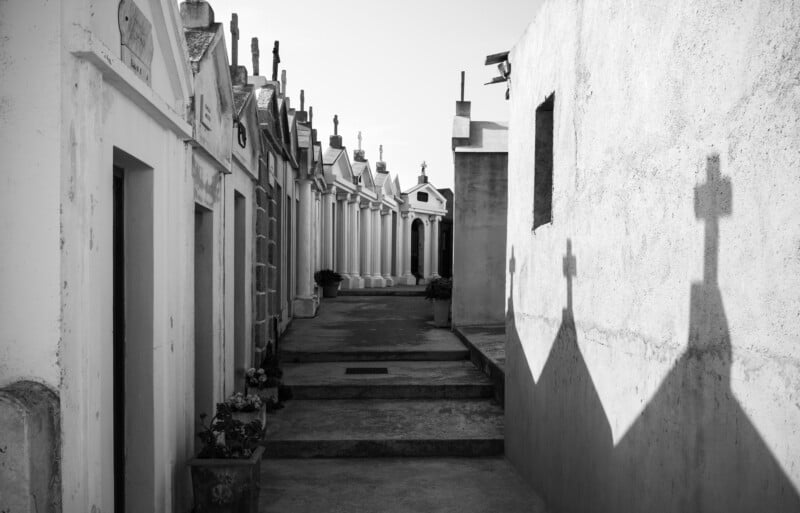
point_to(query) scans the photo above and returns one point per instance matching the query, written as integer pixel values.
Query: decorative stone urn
(227, 485)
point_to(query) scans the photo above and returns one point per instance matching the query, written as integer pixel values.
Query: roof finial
(424, 167)
(462, 86)
(276, 59)
(311, 114)
(359, 139)
(335, 124)
(234, 40)
(254, 50)
(302, 100)
(380, 150)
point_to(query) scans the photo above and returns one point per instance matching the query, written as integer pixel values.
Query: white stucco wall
(667, 393)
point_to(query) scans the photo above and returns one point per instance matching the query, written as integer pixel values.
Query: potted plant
(226, 471)
(440, 290)
(264, 382)
(246, 407)
(329, 281)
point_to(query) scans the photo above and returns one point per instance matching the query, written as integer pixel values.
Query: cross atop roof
(256, 53)
(380, 150)
(359, 139)
(712, 200)
(335, 124)
(276, 59)
(235, 40)
(424, 166)
(570, 269)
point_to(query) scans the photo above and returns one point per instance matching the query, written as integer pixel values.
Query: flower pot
(268, 394)
(247, 417)
(441, 312)
(226, 486)
(330, 290)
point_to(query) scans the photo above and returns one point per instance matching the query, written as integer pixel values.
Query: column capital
(365, 203)
(374, 205)
(343, 195)
(330, 190)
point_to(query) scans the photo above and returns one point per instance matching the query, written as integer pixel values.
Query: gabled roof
(303, 136)
(429, 188)
(380, 178)
(198, 41)
(241, 94)
(397, 188)
(331, 155)
(363, 170)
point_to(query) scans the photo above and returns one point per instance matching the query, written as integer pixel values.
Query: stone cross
(462, 86)
(254, 50)
(570, 269)
(380, 149)
(235, 40)
(302, 100)
(283, 81)
(276, 59)
(359, 140)
(311, 115)
(335, 124)
(712, 200)
(424, 167)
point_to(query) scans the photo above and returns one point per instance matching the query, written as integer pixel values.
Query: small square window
(422, 196)
(543, 164)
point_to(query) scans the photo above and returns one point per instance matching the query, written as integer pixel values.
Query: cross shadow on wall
(691, 449)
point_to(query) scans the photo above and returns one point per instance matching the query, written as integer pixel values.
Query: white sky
(388, 69)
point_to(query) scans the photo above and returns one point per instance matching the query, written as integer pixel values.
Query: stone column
(377, 279)
(328, 244)
(426, 265)
(342, 264)
(353, 258)
(407, 278)
(365, 246)
(434, 273)
(305, 305)
(386, 265)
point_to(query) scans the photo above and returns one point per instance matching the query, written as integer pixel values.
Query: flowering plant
(227, 438)
(241, 402)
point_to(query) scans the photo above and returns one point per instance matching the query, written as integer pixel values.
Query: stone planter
(226, 486)
(330, 290)
(441, 313)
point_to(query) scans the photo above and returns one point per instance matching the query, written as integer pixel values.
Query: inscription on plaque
(136, 39)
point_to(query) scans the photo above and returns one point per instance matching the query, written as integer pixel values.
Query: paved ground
(394, 485)
(371, 328)
(384, 401)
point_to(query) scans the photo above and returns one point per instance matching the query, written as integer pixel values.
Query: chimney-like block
(464, 109)
(196, 14)
(336, 142)
(359, 156)
(239, 75)
(380, 167)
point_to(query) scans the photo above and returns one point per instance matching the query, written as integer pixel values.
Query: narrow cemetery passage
(388, 414)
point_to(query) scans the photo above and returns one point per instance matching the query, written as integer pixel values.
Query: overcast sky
(388, 69)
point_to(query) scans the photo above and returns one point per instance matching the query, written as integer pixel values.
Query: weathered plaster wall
(659, 388)
(479, 238)
(29, 192)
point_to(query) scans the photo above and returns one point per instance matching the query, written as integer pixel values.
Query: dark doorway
(417, 248)
(118, 350)
(239, 265)
(203, 312)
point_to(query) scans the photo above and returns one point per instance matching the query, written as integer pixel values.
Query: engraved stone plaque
(136, 39)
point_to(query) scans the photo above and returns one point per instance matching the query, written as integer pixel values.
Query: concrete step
(385, 428)
(408, 291)
(401, 380)
(395, 485)
(378, 354)
(487, 350)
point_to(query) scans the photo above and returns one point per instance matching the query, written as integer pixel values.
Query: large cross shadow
(691, 449)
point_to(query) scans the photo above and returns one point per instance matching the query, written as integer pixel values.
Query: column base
(374, 282)
(389, 281)
(352, 282)
(305, 307)
(407, 279)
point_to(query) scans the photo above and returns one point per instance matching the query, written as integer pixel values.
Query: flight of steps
(383, 401)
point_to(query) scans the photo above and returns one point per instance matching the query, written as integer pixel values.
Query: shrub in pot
(440, 292)
(226, 471)
(329, 281)
(246, 407)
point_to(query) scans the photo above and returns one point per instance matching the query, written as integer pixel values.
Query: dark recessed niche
(422, 196)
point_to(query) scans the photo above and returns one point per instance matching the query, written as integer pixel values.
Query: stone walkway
(389, 415)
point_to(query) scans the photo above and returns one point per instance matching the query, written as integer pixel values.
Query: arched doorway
(417, 249)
